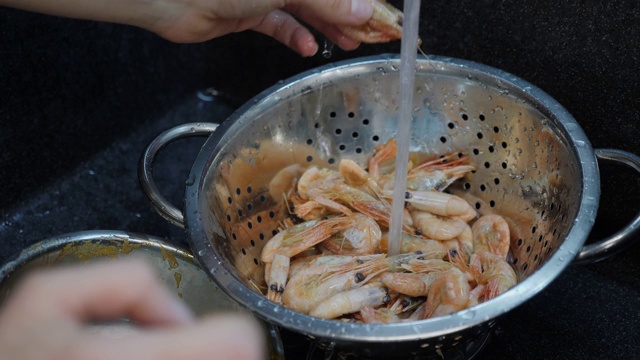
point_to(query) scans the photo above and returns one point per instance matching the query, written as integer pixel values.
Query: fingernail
(361, 10)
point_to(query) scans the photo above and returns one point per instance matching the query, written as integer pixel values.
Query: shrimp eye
(404, 303)
(406, 204)
(419, 232)
(386, 299)
(418, 252)
(281, 289)
(453, 253)
(324, 218)
(273, 287)
(407, 195)
(421, 258)
(359, 277)
(359, 261)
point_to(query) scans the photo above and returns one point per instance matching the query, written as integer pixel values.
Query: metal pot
(535, 167)
(175, 267)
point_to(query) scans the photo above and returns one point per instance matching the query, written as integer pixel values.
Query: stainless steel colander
(535, 167)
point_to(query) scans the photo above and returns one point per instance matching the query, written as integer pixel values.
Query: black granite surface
(80, 100)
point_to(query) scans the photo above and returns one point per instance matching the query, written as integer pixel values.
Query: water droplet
(328, 49)
(468, 315)
(191, 180)
(214, 270)
(201, 252)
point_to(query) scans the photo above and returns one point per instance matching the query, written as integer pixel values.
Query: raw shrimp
(493, 272)
(491, 233)
(402, 304)
(310, 175)
(438, 174)
(384, 25)
(430, 249)
(284, 180)
(437, 227)
(310, 286)
(370, 315)
(336, 195)
(278, 277)
(409, 284)
(357, 177)
(360, 239)
(421, 265)
(448, 293)
(439, 203)
(351, 301)
(293, 240)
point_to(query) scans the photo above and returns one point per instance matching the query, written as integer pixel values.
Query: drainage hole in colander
(228, 218)
(351, 114)
(546, 243)
(309, 158)
(504, 164)
(483, 187)
(491, 149)
(238, 191)
(467, 186)
(255, 261)
(249, 207)
(479, 135)
(533, 230)
(481, 117)
(331, 161)
(261, 236)
(492, 203)
(338, 131)
(525, 266)
(234, 236)
(540, 239)
(443, 139)
(535, 258)
(375, 138)
(240, 213)
(272, 214)
(358, 150)
(263, 199)
(244, 252)
(519, 242)
(465, 117)
(476, 151)
(554, 232)
(451, 125)
(515, 261)
(309, 141)
(332, 114)
(496, 129)
(528, 249)
(253, 243)
(249, 225)
(355, 135)
(496, 181)
(274, 232)
(504, 144)
(365, 122)
(342, 147)
(249, 190)
(487, 165)
(316, 125)
(478, 205)
(259, 219)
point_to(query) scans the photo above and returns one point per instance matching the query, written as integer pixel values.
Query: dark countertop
(80, 100)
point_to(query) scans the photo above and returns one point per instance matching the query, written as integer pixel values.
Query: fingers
(219, 337)
(126, 288)
(351, 12)
(284, 28)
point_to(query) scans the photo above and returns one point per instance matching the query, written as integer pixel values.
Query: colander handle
(145, 167)
(618, 241)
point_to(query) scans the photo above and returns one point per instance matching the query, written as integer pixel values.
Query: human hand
(48, 317)
(200, 20)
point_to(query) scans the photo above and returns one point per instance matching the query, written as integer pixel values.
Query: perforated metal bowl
(535, 167)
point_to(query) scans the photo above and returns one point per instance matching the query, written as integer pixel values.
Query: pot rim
(313, 327)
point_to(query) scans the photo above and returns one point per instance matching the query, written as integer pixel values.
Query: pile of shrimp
(329, 258)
